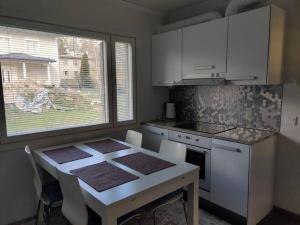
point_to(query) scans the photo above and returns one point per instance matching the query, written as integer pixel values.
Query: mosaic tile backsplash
(257, 107)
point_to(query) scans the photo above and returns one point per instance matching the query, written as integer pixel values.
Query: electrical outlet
(295, 121)
(290, 121)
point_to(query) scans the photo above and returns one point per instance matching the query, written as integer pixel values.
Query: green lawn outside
(49, 120)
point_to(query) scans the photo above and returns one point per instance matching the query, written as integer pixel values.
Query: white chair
(74, 208)
(175, 151)
(134, 138)
(48, 194)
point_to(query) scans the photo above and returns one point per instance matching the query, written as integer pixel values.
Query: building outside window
(32, 46)
(4, 44)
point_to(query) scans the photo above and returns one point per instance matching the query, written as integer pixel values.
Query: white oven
(198, 153)
(200, 157)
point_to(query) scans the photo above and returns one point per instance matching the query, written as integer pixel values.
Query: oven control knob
(187, 137)
(179, 135)
(197, 139)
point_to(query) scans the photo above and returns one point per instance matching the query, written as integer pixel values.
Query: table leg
(193, 202)
(109, 220)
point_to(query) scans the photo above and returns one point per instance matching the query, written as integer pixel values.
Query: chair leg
(67, 221)
(184, 208)
(38, 213)
(138, 220)
(46, 214)
(154, 217)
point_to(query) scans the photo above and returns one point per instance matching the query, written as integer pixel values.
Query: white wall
(16, 190)
(288, 152)
(287, 195)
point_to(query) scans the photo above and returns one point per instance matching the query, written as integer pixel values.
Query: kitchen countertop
(170, 125)
(240, 135)
(244, 135)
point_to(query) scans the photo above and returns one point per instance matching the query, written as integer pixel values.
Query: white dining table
(118, 201)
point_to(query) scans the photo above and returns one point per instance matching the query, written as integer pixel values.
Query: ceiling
(165, 6)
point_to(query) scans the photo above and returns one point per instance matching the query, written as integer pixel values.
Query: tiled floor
(169, 215)
(173, 215)
(277, 218)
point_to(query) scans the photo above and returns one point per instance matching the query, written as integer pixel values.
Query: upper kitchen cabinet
(204, 49)
(255, 46)
(167, 58)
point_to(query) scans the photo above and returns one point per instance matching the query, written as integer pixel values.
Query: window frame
(111, 88)
(26, 39)
(9, 39)
(132, 41)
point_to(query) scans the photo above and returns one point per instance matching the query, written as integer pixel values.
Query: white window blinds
(124, 81)
(52, 81)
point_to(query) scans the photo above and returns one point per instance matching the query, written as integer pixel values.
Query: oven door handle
(198, 151)
(203, 152)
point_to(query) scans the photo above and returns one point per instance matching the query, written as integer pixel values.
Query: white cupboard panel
(167, 58)
(204, 49)
(248, 47)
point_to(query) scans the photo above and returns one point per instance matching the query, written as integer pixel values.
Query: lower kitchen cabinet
(242, 177)
(229, 176)
(152, 137)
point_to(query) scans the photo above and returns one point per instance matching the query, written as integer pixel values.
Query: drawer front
(190, 139)
(155, 130)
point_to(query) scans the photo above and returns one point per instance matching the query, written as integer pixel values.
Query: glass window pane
(123, 57)
(52, 81)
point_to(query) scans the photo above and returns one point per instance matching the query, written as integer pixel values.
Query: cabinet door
(204, 49)
(167, 58)
(152, 137)
(229, 176)
(248, 47)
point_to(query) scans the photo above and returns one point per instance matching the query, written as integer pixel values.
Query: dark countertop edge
(154, 123)
(246, 142)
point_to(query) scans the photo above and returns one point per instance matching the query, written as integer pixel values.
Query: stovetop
(208, 128)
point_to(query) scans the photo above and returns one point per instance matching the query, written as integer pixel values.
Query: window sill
(64, 137)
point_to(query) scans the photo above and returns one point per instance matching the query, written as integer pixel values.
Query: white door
(204, 49)
(229, 176)
(167, 58)
(248, 47)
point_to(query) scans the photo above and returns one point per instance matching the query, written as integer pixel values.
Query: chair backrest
(36, 176)
(134, 138)
(74, 207)
(173, 150)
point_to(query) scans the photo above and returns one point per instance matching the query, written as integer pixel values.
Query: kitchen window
(124, 70)
(47, 99)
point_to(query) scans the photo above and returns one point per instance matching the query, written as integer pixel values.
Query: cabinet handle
(240, 77)
(167, 82)
(208, 67)
(197, 76)
(152, 132)
(227, 148)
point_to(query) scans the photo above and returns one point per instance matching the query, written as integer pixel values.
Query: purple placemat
(103, 176)
(67, 154)
(107, 146)
(143, 163)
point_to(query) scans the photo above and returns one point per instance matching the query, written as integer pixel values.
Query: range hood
(201, 79)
